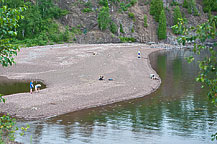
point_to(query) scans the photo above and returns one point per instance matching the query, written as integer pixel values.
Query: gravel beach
(71, 73)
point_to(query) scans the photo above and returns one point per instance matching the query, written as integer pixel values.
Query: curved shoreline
(71, 73)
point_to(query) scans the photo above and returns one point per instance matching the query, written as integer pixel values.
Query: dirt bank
(71, 72)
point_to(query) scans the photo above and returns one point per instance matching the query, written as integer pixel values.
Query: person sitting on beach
(37, 87)
(152, 76)
(31, 86)
(101, 77)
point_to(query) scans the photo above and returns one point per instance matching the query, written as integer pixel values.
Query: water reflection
(179, 112)
(13, 86)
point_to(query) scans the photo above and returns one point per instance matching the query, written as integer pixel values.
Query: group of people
(37, 87)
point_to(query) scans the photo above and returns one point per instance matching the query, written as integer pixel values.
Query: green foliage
(132, 30)
(191, 6)
(124, 6)
(87, 10)
(121, 28)
(176, 15)
(209, 4)
(104, 18)
(8, 128)
(145, 21)
(174, 3)
(9, 18)
(38, 26)
(202, 33)
(127, 39)
(132, 16)
(185, 4)
(152, 7)
(103, 3)
(113, 27)
(155, 9)
(133, 2)
(214, 136)
(162, 28)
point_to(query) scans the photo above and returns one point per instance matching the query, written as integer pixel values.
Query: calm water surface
(179, 112)
(13, 86)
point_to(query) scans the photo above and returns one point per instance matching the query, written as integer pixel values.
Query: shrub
(176, 15)
(132, 30)
(124, 6)
(145, 21)
(103, 3)
(121, 28)
(65, 35)
(132, 16)
(127, 39)
(185, 4)
(209, 4)
(104, 18)
(133, 2)
(87, 10)
(174, 3)
(113, 28)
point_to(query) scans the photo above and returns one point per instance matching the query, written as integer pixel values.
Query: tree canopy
(9, 18)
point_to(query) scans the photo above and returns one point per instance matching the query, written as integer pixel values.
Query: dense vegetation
(38, 26)
(9, 18)
(162, 27)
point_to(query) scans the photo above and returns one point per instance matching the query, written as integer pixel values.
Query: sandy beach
(71, 72)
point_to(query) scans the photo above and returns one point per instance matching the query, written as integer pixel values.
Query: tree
(162, 27)
(104, 18)
(185, 4)
(156, 8)
(152, 7)
(176, 15)
(9, 18)
(209, 4)
(199, 36)
(8, 23)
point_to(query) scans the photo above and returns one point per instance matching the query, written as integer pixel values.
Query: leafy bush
(209, 4)
(145, 21)
(176, 15)
(113, 28)
(133, 2)
(124, 6)
(185, 4)
(127, 39)
(132, 16)
(87, 10)
(104, 18)
(132, 30)
(121, 28)
(103, 3)
(174, 3)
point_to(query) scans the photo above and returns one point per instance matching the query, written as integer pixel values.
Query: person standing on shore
(31, 86)
(139, 54)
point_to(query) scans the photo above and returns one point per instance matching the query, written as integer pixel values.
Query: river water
(179, 112)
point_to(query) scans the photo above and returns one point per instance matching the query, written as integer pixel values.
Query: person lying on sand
(101, 77)
(152, 76)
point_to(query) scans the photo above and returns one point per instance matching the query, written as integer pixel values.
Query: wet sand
(71, 73)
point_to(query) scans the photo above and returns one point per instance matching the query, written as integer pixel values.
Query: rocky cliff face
(87, 23)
